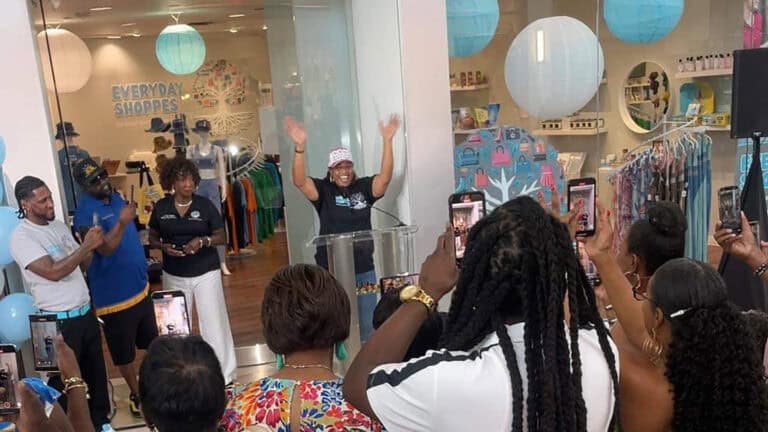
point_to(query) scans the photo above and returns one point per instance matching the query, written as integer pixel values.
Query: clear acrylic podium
(394, 254)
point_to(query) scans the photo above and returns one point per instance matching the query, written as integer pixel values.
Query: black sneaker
(135, 405)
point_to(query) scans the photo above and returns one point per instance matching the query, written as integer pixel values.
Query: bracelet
(760, 271)
(75, 383)
(299, 152)
(201, 242)
(210, 242)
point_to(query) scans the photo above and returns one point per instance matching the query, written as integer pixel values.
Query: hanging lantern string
(176, 16)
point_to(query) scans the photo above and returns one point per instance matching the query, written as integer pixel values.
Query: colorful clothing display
(267, 403)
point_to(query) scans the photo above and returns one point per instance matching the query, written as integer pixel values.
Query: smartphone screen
(729, 199)
(586, 264)
(582, 192)
(755, 227)
(44, 328)
(393, 284)
(171, 313)
(466, 210)
(9, 376)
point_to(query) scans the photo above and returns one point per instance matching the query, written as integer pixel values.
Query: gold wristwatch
(414, 293)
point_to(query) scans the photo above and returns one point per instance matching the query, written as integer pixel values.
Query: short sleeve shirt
(112, 294)
(471, 391)
(29, 243)
(200, 220)
(342, 211)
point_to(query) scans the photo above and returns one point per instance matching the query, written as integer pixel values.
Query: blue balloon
(2, 150)
(9, 220)
(471, 25)
(2, 189)
(642, 21)
(14, 312)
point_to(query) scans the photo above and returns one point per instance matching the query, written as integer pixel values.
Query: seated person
(181, 386)
(306, 317)
(428, 336)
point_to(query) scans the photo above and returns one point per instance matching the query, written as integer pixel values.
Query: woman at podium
(343, 203)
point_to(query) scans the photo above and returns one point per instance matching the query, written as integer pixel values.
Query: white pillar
(25, 123)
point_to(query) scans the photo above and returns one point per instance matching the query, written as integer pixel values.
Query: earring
(341, 351)
(653, 349)
(279, 361)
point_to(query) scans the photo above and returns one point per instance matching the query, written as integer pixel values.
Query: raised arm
(57, 270)
(299, 172)
(629, 311)
(382, 179)
(743, 246)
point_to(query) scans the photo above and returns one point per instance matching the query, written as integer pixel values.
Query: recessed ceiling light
(101, 8)
(136, 34)
(233, 30)
(114, 37)
(264, 27)
(127, 24)
(236, 15)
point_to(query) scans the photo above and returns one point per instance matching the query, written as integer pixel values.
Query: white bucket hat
(339, 155)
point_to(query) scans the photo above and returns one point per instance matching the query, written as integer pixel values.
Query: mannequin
(67, 137)
(213, 174)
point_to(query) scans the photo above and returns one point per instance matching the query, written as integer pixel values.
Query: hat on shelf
(66, 130)
(161, 144)
(86, 170)
(339, 155)
(157, 125)
(202, 126)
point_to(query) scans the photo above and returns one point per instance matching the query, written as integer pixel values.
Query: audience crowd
(524, 346)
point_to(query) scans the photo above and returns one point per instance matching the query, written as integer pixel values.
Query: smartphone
(589, 267)
(44, 328)
(755, 227)
(9, 376)
(171, 313)
(465, 210)
(393, 284)
(729, 198)
(583, 192)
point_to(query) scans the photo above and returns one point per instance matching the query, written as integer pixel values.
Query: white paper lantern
(71, 60)
(554, 67)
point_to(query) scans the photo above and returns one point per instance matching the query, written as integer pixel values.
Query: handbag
(501, 157)
(481, 178)
(511, 133)
(148, 196)
(469, 157)
(523, 166)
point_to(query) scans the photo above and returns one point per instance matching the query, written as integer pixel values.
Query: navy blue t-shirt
(118, 281)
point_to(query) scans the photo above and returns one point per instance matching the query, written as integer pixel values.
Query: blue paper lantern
(471, 25)
(15, 310)
(554, 67)
(180, 49)
(642, 21)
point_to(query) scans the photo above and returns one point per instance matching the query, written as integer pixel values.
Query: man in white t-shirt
(509, 360)
(52, 264)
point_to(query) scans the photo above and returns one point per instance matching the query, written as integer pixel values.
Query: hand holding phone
(729, 203)
(171, 313)
(582, 193)
(465, 210)
(9, 376)
(44, 329)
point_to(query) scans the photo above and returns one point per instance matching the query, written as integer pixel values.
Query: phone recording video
(466, 209)
(44, 329)
(755, 227)
(394, 284)
(9, 376)
(582, 193)
(587, 264)
(171, 313)
(729, 199)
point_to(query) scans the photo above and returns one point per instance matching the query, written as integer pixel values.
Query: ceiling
(148, 17)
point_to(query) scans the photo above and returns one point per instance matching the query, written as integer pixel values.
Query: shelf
(472, 131)
(118, 175)
(569, 132)
(470, 88)
(639, 102)
(636, 86)
(704, 74)
(717, 129)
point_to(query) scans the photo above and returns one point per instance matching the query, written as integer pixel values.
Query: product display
(699, 63)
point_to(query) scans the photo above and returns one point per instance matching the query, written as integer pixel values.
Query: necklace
(309, 366)
(183, 205)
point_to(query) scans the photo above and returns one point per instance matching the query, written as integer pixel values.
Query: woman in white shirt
(510, 362)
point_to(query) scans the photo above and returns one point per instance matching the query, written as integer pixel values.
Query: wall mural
(506, 163)
(220, 85)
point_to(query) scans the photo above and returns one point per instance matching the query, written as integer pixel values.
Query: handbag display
(149, 194)
(481, 178)
(469, 157)
(501, 157)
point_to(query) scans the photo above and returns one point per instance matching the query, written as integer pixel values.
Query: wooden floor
(243, 291)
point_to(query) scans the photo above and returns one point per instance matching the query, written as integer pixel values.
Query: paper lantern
(180, 49)
(554, 67)
(642, 21)
(71, 60)
(471, 25)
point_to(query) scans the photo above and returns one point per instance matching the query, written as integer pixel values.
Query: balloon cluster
(15, 308)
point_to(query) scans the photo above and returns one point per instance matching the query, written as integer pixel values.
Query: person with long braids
(510, 361)
(705, 367)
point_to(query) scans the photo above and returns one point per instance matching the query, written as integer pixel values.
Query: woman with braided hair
(689, 359)
(510, 360)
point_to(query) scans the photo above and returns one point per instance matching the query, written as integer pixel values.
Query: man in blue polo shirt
(118, 273)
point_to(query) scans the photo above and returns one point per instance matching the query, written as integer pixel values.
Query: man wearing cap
(51, 263)
(69, 154)
(118, 273)
(343, 203)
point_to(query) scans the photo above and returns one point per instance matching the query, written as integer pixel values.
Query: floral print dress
(267, 403)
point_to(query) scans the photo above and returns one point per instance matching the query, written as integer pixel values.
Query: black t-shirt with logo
(346, 210)
(201, 220)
